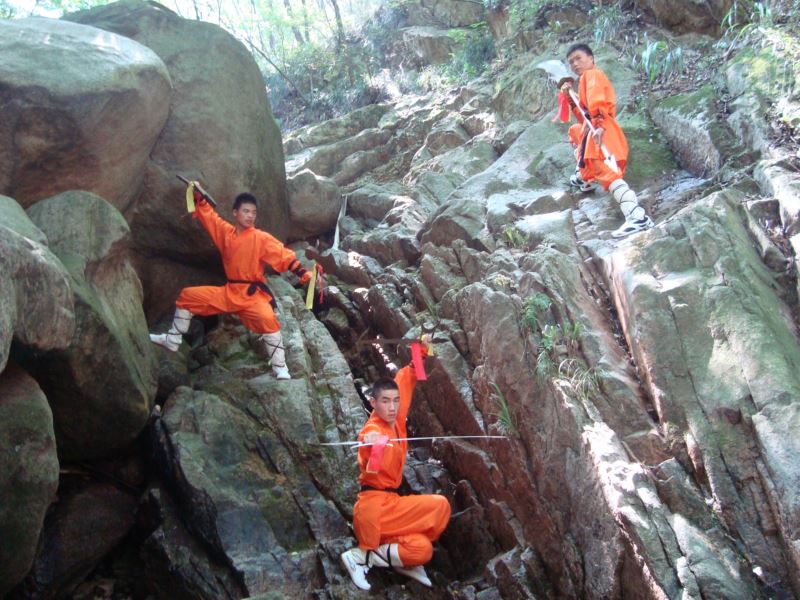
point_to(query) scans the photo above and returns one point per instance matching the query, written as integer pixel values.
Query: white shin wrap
(273, 343)
(628, 202)
(385, 555)
(181, 321)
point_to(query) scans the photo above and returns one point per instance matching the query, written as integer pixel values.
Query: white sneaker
(355, 563)
(417, 573)
(583, 186)
(629, 227)
(281, 372)
(170, 341)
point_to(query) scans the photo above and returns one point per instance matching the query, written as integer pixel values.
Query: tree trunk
(297, 33)
(339, 25)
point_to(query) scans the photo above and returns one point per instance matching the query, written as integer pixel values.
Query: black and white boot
(388, 556)
(636, 218)
(577, 182)
(273, 343)
(355, 563)
(172, 339)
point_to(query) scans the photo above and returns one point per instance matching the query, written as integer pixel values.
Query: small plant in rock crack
(514, 237)
(533, 309)
(505, 419)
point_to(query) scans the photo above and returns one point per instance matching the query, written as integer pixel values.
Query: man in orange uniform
(392, 531)
(596, 95)
(245, 250)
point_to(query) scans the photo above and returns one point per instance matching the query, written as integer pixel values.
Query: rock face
(87, 522)
(82, 110)
(36, 306)
(239, 452)
(720, 359)
(28, 472)
(686, 16)
(102, 386)
(205, 120)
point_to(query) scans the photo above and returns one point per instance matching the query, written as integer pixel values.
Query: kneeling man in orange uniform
(393, 531)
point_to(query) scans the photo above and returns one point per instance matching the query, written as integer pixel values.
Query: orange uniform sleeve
(275, 254)
(599, 96)
(215, 225)
(406, 380)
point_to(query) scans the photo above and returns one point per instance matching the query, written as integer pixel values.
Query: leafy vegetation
(660, 61)
(514, 237)
(533, 309)
(506, 422)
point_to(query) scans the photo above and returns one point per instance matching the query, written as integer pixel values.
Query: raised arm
(215, 225)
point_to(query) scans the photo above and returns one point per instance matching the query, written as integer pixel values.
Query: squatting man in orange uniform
(393, 531)
(245, 250)
(596, 94)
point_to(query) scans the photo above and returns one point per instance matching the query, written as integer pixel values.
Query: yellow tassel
(190, 198)
(312, 283)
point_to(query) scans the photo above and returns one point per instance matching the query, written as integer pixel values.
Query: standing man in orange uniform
(393, 531)
(245, 250)
(596, 95)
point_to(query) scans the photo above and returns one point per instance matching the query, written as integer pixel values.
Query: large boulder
(219, 108)
(82, 109)
(36, 306)
(101, 387)
(314, 204)
(444, 13)
(28, 472)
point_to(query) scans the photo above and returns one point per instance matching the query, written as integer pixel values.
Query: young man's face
(579, 62)
(386, 404)
(245, 215)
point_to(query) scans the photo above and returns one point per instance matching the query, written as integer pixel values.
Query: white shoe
(281, 372)
(355, 563)
(629, 227)
(170, 341)
(417, 573)
(583, 186)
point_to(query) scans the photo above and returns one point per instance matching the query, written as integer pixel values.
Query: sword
(200, 189)
(358, 443)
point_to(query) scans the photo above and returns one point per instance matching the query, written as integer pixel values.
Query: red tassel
(376, 454)
(563, 108)
(416, 360)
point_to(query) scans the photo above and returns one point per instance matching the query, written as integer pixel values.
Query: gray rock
(88, 521)
(83, 110)
(36, 305)
(686, 16)
(111, 350)
(28, 472)
(720, 352)
(314, 204)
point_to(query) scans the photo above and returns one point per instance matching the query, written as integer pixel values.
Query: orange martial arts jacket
(597, 95)
(244, 256)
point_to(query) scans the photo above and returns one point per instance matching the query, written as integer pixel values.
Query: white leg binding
(388, 556)
(273, 343)
(636, 218)
(180, 325)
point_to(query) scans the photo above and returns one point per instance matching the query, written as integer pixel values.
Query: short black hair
(582, 47)
(244, 198)
(383, 384)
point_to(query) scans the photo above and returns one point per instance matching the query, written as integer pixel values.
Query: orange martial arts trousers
(254, 311)
(411, 522)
